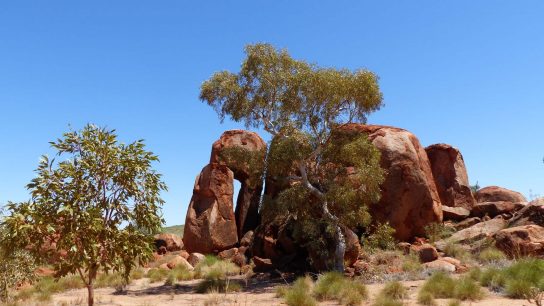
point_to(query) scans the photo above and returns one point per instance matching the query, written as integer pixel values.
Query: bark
(90, 291)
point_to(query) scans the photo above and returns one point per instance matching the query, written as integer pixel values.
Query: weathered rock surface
(353, 247)
(262, 264)
(532, 213)
(455, 213)
(410, 200)
(250, 148)
(426, 252)
(450, 175)
(171, 242)
(440, 265)
(474, 233)
(497, 194)
(210, 225)
(195, 258)
(527, 240)
(179, 261)
(493, 209)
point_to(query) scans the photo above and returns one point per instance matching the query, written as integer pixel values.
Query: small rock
(247, 239)
(177, 261)
(228, 254)
(195, 258)
(404, 247)
(440, 265)
(262, 264)
(170, 241)
(455, 213)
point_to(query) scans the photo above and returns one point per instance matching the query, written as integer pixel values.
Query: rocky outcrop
(210, 225)
(450, 176)
(170, 242)
(493, 209)
(410, 200)
(498, 194)
(474, 233)
(455, 213)
(243, 152)
(532, 213)
(519, 241)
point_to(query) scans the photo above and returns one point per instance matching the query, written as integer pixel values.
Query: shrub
(454, 303)
(381, 238)
(137, 273)
(334, 286)
(491, 254)
(15, 269)
(437, 231)
(456, 251)
(386, 301)
(468, 289)
(216, 276)
(440, 285)
(521, 280)
(518, 288)
(179, 273)
(411, 263)
(299, 294)
(426, 298)
(395, 290)
(157, 275)
(114, 280)
(214, 265)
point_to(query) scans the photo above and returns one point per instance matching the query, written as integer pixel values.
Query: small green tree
(92, 210)
(334, 172)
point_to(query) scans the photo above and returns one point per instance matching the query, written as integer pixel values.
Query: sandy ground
(142, 293)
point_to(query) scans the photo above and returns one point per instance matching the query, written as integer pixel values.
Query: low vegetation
(381, 238)
(441, 285)
(490, 255)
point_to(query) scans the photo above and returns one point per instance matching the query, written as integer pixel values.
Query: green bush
(334, 286)
(215, 275)
(381, 238)
(520, 280)
(299, 294)
(157, 275)
(491, 254)
(386, 301)
(426, 298)
(456, 251)
(440, 285)
(411, 263)
(395, 290)
(468, 289)
(437, 231)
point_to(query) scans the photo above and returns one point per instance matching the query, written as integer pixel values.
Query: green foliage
(215, 275)
(441, 285)
(383, 300)
(491, 254)
(524, 279)
(16, 268)
(457, 251)
(426, 298)
(179, 273)
(333, 174)
(334, 286)
(381, 238)
(96, 186)
(454, 303)
(251, 162)
(437, 231)
(298, 294)
(157, 275)
(395, 290)
(411, 263)
(474, 188)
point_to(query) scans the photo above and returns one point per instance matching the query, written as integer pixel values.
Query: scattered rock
(262, 264)
(527, 240)
(497, 194)
(426, 252)
(467, 223)
(170, 241)
(474, 233)
(450, 176)
(210, 224)
(404, 247)
(455, 213)
(195, 258)
(493, 209)
(440, 265)
(184, 254)
(239, 259)
(177, 261)
(228, 254)
(409, 199)
(532, 213)
(164, 266)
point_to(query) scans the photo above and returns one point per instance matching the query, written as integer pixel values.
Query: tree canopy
(304, 107)
(92, 207)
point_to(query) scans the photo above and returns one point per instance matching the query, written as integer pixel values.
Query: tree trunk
(340, 250)
(90, 291)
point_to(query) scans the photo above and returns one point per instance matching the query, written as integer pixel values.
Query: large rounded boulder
(450, 176)
(498, 194)
(410, 200)
(210, 225)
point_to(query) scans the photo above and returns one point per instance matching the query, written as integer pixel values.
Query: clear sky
(468, 73)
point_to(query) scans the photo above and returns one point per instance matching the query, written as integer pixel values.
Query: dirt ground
(142, 293)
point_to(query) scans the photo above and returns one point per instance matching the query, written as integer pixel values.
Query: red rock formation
(210, 225)
(170, 241)
(519, 241)
(497, 194)
(249, 175)
(409, 200)
(450, 176)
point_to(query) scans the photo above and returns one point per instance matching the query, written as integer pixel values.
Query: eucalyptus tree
(92, 207)
(334, 173)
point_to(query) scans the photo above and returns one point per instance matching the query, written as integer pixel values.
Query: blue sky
(467, 73)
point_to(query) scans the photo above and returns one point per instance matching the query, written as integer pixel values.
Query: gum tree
(92, 207)
(334, 174)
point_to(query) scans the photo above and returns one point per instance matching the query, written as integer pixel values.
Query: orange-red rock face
(410, 200)
(450, 176)
(497, 194)
(211, 223)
